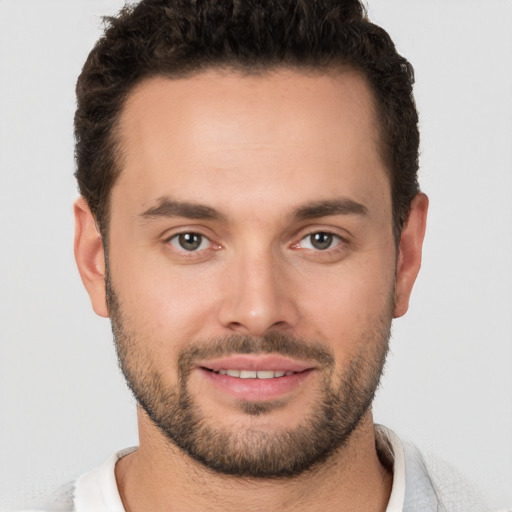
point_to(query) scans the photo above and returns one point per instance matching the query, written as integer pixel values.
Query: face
(252, 270)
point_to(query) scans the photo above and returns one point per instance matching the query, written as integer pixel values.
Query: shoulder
(427, 482)
(430, 479)
(61, 500)
(94, 490)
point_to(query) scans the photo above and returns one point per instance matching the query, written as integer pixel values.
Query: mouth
(254, 374)
(255, 377)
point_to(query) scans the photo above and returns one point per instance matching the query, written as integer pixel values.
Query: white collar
(96, 491)
(389, 444)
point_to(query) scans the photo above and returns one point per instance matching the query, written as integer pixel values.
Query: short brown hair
(176, 38)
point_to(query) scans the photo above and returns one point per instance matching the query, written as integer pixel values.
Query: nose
(257, 296)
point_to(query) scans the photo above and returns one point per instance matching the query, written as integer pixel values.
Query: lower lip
(256, 390)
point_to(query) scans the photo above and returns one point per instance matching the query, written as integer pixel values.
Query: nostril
(236, 326)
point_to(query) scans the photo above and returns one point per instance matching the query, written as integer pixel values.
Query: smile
(253, 374)
(255, 377)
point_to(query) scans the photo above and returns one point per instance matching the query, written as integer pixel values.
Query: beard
(343, 398)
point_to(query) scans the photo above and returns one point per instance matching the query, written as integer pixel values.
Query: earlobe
(409, 258)
(90, 256)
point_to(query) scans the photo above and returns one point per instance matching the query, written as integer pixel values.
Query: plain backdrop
(448, 384)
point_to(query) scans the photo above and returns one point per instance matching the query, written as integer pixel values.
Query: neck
(159, 476)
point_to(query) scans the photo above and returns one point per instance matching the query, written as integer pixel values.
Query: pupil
(190, 241)
(321, 240)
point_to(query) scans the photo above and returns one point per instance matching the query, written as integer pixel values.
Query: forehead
(219, 132)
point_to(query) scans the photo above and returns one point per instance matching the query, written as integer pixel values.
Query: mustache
(272, 343)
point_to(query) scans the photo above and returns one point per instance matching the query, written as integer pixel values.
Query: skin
(255, 149)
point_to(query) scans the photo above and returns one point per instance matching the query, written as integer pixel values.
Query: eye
(320, 241)
(189, 242)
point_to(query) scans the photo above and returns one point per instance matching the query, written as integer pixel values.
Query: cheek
(350, 301)
(165, 305)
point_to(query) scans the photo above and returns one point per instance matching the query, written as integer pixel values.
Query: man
(250, 220)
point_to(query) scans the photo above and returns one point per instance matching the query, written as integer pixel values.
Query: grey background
(448, 385)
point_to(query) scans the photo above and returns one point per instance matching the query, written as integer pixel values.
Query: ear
(90, 256)
(409, 257)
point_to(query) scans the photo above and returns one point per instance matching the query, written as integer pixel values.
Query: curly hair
(177, 38)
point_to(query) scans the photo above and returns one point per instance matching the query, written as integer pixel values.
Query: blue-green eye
(320, 241)
(189, 242)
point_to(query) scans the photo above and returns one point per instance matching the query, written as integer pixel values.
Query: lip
(256, 390)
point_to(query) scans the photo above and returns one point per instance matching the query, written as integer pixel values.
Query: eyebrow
(339, 206)
(167, 207)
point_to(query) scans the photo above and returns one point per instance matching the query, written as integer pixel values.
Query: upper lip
(255, 362)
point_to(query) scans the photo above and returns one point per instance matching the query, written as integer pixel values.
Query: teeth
(253, 374)
(265, 374)
(247, 374)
